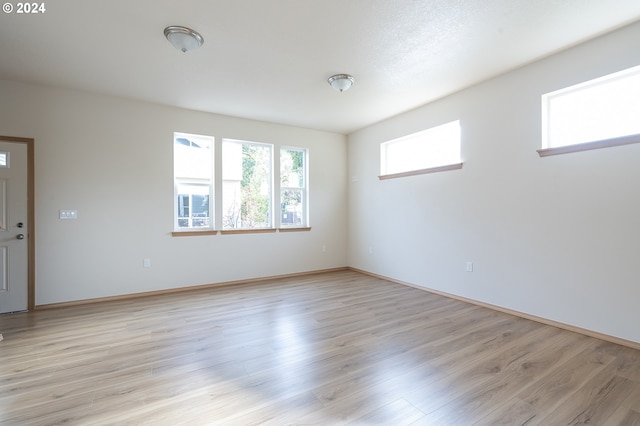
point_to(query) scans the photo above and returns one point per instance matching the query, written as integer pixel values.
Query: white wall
(111, 159)
(556, 237)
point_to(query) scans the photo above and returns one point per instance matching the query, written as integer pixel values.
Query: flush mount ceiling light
(341, 82)
(183, 38)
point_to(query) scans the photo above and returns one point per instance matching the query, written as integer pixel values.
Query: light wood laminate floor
(326, 349)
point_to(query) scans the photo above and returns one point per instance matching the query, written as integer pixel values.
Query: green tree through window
(247, 185)
(255, 186)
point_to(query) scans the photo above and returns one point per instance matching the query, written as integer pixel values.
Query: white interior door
(14, 228)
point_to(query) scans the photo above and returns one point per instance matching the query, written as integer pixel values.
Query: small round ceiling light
(341, 82)
(183, 38)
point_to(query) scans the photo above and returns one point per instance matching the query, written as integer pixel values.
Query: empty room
(299, 212)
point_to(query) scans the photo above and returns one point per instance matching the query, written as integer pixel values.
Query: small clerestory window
(595, 114)
(432, 150)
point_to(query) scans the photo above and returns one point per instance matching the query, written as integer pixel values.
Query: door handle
(20, 236)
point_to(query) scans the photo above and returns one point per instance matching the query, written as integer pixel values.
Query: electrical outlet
(146, 263)
(469, 267)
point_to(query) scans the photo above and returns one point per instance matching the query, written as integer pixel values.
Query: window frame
(304, 188)
(179, 181)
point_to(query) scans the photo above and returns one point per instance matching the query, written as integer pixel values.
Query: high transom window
(421, 152)
(599, 110)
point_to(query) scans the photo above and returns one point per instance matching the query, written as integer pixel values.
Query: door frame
(31, 218)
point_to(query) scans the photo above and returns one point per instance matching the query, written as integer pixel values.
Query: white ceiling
(270, 59)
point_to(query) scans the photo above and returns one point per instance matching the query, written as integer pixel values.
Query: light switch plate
(68, 214)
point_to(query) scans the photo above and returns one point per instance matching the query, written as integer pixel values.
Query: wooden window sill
(294, 229)
(239, 231)
(248, 231)
(192, 233)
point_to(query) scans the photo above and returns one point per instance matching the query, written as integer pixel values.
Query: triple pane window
(250, 191)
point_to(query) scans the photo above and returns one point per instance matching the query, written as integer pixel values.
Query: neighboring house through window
(193, 184)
